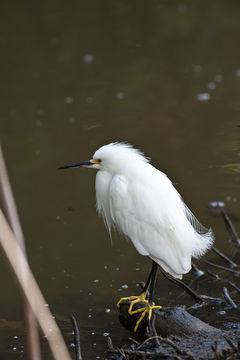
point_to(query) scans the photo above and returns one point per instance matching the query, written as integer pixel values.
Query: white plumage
(141, 202)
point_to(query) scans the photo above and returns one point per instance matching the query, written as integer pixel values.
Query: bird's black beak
(83, 163)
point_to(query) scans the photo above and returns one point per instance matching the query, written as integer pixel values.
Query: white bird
(141, 202)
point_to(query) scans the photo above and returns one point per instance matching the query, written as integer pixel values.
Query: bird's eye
(96, 161)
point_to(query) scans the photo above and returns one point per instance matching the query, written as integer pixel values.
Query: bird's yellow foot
(148, 308)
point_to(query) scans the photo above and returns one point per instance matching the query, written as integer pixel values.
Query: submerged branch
(228, 298)
(222, 267)
(76, 338)
(216, 276)
(224, 257)
(231, 229)
(180, 283)
(234, 286)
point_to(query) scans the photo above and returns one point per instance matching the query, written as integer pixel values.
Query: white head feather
(115, 155)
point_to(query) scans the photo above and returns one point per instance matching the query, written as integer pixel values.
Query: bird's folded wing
(144, 214)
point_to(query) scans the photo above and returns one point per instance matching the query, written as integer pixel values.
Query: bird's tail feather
(204, 236)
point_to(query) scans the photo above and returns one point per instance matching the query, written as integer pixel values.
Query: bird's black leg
(146, 287)
(153, 277)
(149, 286)
(144, 298)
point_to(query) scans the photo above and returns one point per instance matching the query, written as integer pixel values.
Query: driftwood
(168, 321)
(175, 334)
(178, 348)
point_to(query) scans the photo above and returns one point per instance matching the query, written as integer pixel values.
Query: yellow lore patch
(95, 161)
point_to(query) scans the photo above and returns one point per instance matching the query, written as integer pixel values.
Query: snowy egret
(141, 202)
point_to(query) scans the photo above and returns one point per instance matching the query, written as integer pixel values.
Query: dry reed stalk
(10, 210)
(31, 290)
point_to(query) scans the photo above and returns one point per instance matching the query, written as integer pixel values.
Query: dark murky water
(74, 76)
